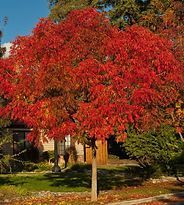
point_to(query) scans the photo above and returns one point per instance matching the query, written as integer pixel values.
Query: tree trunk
(94, 173)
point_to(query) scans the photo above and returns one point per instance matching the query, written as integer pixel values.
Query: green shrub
(30, 166)
(156, 150)
(51, 154)
(44, 166)
(178, 165)
(8, 164)
(47, 155)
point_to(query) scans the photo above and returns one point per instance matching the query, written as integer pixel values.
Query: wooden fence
(102, 154)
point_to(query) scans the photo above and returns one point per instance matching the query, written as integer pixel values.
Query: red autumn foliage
(85, 76)
(6, 78)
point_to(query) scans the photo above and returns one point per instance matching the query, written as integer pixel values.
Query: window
(66, 143)
(19, 141)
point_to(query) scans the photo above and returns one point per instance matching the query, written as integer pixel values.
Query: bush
(8, 164)
(38, 167)
(155, 151)
(47, 155)
(178, 165)
(44, 166)
(30, 166)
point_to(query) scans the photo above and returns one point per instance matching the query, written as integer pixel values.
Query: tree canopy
(87, 77)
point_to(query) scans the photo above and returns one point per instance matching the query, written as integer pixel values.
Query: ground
(72, 186)
(105, 197)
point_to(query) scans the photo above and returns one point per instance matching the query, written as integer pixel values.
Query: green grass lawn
(76, 179)
(120, 183)
(47, 182)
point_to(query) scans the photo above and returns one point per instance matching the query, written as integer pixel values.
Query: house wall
(48, 146)
(102, 153)
(80, 152)
(79, 148)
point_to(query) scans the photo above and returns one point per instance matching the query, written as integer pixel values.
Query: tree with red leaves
(86, 78)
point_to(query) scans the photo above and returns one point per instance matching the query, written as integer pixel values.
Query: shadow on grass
(122, 177)
(80, 176)
(14, 180)
(4, 180)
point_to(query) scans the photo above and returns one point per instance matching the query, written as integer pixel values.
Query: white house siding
(48, 146)
(80, 152)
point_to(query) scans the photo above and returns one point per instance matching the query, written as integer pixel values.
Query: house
(19, 145)
(77, 151)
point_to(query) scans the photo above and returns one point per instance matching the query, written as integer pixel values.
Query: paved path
(150, 199)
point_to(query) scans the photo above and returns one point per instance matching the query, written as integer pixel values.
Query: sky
(22, 15)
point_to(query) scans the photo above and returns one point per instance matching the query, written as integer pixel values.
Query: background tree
(150, 13)
(121, 12)
(86, 78)
(60, 9)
